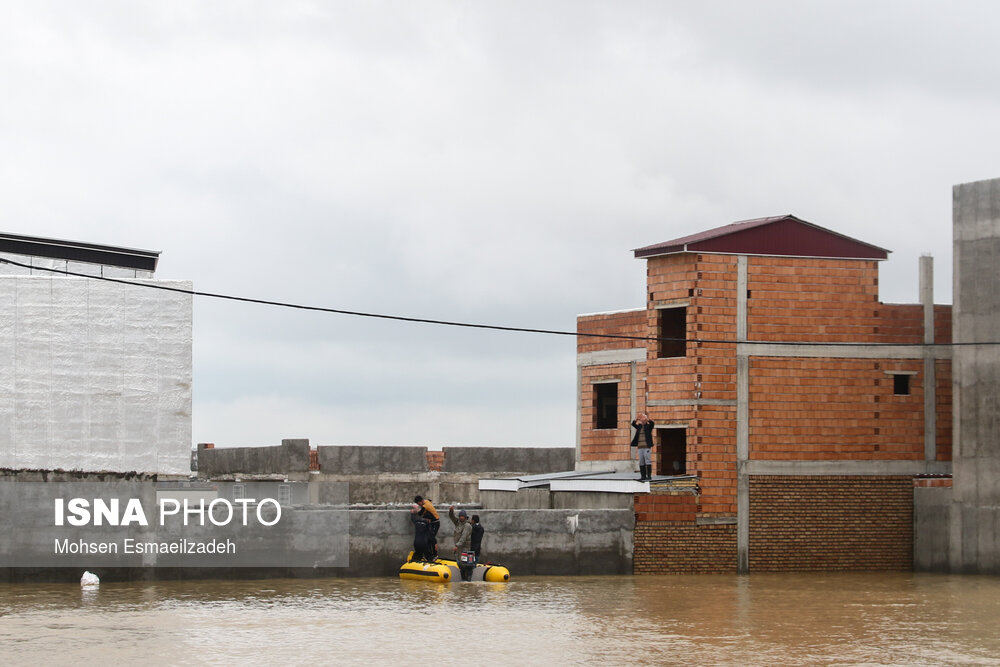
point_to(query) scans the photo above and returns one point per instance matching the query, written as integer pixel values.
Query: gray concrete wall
(543, 498)
(371, 459)
(528, 541)
(509, 459)
(397, 488)
(291, 457)
(975, 527)
(931, 510)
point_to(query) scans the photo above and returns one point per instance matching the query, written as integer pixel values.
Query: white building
(94, 375)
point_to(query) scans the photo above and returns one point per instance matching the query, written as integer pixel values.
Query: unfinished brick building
(805, 407)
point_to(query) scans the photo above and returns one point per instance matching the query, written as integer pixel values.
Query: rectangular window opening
(901, 385)
(606, 405)
(673, 451)
(672, 332)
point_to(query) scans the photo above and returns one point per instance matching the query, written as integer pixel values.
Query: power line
(468, 325)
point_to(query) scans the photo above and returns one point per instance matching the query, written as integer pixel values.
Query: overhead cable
(450, 323)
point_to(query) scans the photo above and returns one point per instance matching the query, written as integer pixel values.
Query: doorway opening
(673, 451)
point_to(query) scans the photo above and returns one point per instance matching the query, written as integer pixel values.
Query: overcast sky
(489, 162)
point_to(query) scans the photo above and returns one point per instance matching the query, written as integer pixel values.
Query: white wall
(94, 376)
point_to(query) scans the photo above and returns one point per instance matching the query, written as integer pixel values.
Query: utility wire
(469, 325)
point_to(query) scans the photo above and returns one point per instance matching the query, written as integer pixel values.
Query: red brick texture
(667, 540)
(435, 460)
(800, 409)
(625, 323)
(827, 523)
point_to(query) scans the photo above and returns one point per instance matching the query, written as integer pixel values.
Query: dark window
(901, 385)
(673, 332)
(606, 405)
(673, 451)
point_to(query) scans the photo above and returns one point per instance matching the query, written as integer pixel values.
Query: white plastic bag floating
(90, 580)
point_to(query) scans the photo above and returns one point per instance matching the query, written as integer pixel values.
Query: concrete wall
(508, 459)
(528, 542)
(931, 514)
(975, 528)
(371, 459)
(442, 489)
(543, 498)
(94, 376)
(292, 456)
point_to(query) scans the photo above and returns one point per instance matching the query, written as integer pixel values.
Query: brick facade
(831, 523)
(667, 540)
(814, 388)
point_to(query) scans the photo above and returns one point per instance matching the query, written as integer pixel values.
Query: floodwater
(765, 619)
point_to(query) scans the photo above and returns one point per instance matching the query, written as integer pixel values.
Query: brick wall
(797, 299)
(664, 548)
(843, 409)
(802, 408)
(435, 460)
(831, 523)
(610, 444)
(607, 444)
(624, 323)
(667, 540)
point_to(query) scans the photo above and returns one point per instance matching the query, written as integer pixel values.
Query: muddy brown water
(765, 619)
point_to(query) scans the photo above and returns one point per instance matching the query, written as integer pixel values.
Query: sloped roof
(77, 251)
(776, 235)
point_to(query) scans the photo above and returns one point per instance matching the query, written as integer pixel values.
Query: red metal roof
(777, 235)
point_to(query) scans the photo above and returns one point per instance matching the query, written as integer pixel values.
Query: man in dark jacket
(476, 544)
(427, 511)
(422, 548)
(643, 440)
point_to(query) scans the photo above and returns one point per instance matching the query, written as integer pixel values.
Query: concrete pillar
(742, 423)
(975, 515)
(930, 370)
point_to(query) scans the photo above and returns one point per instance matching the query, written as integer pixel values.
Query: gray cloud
(483, 162)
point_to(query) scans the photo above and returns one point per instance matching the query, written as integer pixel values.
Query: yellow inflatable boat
(443, 571)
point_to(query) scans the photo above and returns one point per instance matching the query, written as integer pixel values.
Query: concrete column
(579, 413)
(930, 370)
(742, 422)
(975, 515)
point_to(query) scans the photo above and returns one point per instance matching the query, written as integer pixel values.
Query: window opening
(673, 451)
(606, 405)
(901, 385)
(673, 325)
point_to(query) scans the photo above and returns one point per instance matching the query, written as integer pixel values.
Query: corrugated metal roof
(775, 235)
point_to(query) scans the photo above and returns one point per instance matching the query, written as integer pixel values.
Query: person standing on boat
(476, 541)
(463, 537)
(643, 442)
(428, 512)
(422, 549)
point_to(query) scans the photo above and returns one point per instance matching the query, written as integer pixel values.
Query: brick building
(804, 406)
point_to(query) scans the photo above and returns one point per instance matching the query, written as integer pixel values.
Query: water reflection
(761, 619)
